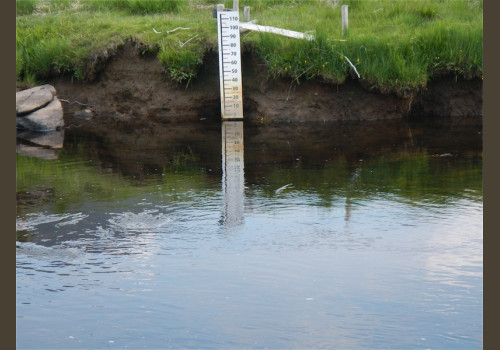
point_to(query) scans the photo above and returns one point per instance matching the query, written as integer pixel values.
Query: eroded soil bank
(133, 90)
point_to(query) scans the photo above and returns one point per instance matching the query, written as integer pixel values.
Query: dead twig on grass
(170, 31)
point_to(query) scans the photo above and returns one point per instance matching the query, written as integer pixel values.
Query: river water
(333, 236)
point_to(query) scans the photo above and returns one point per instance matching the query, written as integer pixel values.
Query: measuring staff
(231, 91)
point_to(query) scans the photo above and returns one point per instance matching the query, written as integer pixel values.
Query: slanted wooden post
(344, 9)
(246, 13)
(236, 6)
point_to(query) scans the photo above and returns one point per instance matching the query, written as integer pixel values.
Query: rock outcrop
(39, 109)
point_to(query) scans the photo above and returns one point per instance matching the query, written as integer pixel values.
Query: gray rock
(44, 119)
(32, 99)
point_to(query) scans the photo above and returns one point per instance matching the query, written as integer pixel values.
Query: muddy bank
(133, 90)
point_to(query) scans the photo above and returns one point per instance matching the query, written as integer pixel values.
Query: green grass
(396, 46)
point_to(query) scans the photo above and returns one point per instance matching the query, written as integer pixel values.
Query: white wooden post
(246, 13)
(236, 6)
(344, 9)
(220, 7)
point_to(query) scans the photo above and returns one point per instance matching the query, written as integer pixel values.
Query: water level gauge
(230, 64)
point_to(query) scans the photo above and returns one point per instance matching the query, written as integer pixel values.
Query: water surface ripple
(287, 243)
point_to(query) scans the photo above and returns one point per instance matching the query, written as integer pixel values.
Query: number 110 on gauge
(230, 64)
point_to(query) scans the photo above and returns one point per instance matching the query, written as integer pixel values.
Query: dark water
(345, 236)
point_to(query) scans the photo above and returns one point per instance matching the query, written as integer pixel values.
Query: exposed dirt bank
(132, 90)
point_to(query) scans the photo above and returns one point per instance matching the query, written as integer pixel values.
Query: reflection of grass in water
(413, 176)
(420, 176)
(182, 160)
(73, 181)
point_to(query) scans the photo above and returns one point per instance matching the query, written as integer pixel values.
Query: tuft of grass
(182, 63)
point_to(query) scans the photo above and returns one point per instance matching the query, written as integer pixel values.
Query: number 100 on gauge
(230, 64)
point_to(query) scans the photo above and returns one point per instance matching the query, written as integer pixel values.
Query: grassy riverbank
(396, 46)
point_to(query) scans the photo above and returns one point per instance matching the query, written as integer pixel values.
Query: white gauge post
(230, 65)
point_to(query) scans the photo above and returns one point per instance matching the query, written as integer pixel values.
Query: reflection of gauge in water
(233, 176)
